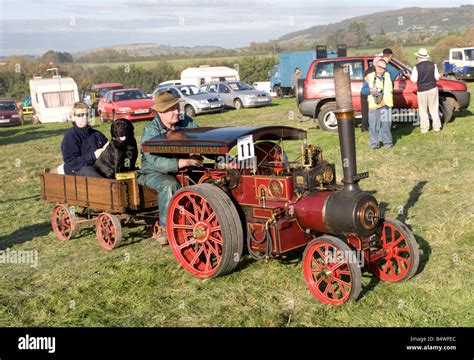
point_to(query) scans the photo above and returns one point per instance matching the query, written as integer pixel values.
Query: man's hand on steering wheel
(182, 163)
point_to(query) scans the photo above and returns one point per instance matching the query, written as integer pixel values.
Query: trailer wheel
(62, 222)
(326, 118)
(400, 256)
(204, 230)
(108, 231)
(330, 270)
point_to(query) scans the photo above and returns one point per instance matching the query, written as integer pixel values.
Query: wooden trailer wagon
(106, 204)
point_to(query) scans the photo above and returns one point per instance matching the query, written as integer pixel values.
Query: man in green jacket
(158, 172)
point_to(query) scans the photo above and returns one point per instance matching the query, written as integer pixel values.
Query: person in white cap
(425, 74)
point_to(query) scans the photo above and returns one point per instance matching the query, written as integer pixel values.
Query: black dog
(121, 153)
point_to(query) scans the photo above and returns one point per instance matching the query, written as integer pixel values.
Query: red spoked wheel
(62, 222)
(395, 252)
(108, 231)
(331, 271)
(204, 230)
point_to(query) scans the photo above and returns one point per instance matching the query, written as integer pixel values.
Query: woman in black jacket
(82, 144)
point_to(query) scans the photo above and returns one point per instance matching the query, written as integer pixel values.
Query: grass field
(425, 178)
(178, 64)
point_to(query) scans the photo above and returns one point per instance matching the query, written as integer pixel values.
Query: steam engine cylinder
(338, 212)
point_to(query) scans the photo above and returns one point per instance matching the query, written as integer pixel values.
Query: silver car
(238, 94)
(196, 101)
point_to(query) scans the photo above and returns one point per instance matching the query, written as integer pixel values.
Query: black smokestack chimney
(346, 126)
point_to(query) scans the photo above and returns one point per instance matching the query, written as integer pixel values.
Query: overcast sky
(33, 26)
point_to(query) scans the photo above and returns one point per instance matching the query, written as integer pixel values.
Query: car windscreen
(128, 95)
(397, 63)
(171, 90)
(104, 90)
(7, 106)
(239, 86)
(469, 54)
(189, 90)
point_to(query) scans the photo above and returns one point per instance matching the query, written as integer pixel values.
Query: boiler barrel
(338, 212)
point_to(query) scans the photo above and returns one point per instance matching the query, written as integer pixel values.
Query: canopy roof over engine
(216, 140)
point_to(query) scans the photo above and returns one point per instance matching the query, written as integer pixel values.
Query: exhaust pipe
(345, 127)
(350, 211)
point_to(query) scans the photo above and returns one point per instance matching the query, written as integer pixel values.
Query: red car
(97, 92)
(10, 113)
(131, 104)
(316, 96)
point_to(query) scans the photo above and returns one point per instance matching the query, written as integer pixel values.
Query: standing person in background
(363, 98)
(294, 80)
(425, 74)
(379, 91)
(387, 55)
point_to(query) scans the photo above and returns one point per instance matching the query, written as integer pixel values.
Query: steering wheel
(270, 158)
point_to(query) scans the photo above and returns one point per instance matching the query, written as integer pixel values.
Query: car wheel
(238, 104)
(446, 109)
(189, 110)
(299, 91)
(327, 118)
(278, 91)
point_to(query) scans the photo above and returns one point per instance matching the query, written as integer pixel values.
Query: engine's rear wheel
(204, 230)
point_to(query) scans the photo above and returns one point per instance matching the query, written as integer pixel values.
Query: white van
(53, 98)
(205, 74)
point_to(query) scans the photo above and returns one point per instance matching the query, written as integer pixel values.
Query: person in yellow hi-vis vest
(379, 91)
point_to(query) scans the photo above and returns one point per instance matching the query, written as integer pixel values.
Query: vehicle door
(404, 90)
(456, 58)
(108, 105)
(320, 80)
(356, 71)
(226, 94)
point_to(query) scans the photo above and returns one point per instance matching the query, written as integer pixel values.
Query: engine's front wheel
(331, 271)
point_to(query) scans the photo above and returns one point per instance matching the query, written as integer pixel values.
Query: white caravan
(205, 74)
(52, 98)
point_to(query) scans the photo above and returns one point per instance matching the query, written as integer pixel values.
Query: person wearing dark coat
(82, 145)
